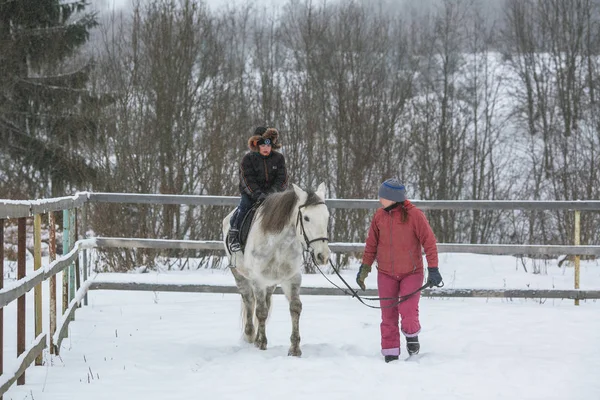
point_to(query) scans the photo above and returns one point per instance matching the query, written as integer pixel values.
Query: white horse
(286, 224)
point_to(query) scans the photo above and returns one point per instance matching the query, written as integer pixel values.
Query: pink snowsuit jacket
(397, 246)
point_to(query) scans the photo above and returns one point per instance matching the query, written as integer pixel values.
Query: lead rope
(353, 292)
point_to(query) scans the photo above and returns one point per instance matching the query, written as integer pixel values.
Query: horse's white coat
(272, 259)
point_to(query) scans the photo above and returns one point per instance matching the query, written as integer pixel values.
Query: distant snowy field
(129, 345)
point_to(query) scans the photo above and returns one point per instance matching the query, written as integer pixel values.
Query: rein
(353, 293)
(299, 221)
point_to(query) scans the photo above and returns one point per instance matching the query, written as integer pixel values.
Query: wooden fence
(68, 264)
(75, 283)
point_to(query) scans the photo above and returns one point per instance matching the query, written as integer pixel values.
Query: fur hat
(259, 130)
(270, 133)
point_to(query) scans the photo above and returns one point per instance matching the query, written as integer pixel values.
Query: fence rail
(332, 291)
(465, 205)
(490, 249)
(10, 209)
(24, 361)
(22, 286)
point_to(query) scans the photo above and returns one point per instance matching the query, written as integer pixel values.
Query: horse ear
(299, 192)
(321, 190)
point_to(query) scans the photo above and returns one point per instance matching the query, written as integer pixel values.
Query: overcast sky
(119, 4)
(492, 6)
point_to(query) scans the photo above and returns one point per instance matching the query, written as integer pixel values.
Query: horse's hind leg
(291, 289)
(245, 290)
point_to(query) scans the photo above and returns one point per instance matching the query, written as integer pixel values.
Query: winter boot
(390, 358)
(233, 238)
(412, 345)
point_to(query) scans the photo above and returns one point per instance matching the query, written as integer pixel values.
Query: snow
(129, 345)
(9, 377)
(43, 202)
(459, 270)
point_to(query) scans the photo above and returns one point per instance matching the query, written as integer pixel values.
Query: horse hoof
(261, 345)
(295, 353)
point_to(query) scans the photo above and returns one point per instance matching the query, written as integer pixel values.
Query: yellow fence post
(37, 264)
(577, 242)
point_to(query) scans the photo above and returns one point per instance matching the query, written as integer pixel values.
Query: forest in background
(458, 99)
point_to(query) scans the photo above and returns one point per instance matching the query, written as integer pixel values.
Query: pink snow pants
(395, 286)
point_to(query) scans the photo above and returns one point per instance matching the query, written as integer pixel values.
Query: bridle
(300, 222)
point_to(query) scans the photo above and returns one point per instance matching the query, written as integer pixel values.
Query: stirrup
(233, 237)
(235, 246)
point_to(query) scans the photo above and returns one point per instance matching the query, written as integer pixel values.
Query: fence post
(84, 235)
(577, 242)
(21, 300)
(72, 271)
(37, 291)
(75, 226)
(65, 274)
(52, 256)
(2, 308)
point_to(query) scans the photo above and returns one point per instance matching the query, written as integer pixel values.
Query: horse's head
(313, 221)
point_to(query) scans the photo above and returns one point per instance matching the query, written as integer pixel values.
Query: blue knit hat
(393, 190)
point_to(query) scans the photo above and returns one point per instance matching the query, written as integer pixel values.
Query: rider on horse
(262, 171)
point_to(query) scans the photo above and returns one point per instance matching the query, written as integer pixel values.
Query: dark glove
(363, 272)
(262, 197)
(433, 277)
(258, 196)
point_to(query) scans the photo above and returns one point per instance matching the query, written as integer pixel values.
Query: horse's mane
(277, 209)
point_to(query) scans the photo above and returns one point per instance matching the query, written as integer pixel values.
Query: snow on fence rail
(22, 286)
(28, 208)
(23, 361)
(74, 291)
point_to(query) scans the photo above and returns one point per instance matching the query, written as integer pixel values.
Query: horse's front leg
(291, 289)
(270, 291)
(245, 290)
(262, 312)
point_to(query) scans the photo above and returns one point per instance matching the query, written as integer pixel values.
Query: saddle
(246, 224)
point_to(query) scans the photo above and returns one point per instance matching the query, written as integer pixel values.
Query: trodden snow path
(130, 345)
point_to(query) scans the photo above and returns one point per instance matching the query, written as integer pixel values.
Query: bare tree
(550, 49)
(490, 173)
(438, 122)
(159, 65)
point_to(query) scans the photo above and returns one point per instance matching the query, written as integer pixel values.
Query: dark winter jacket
(260, 174)
(397, 245)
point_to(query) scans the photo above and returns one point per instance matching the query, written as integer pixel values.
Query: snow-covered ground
(129, 345)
